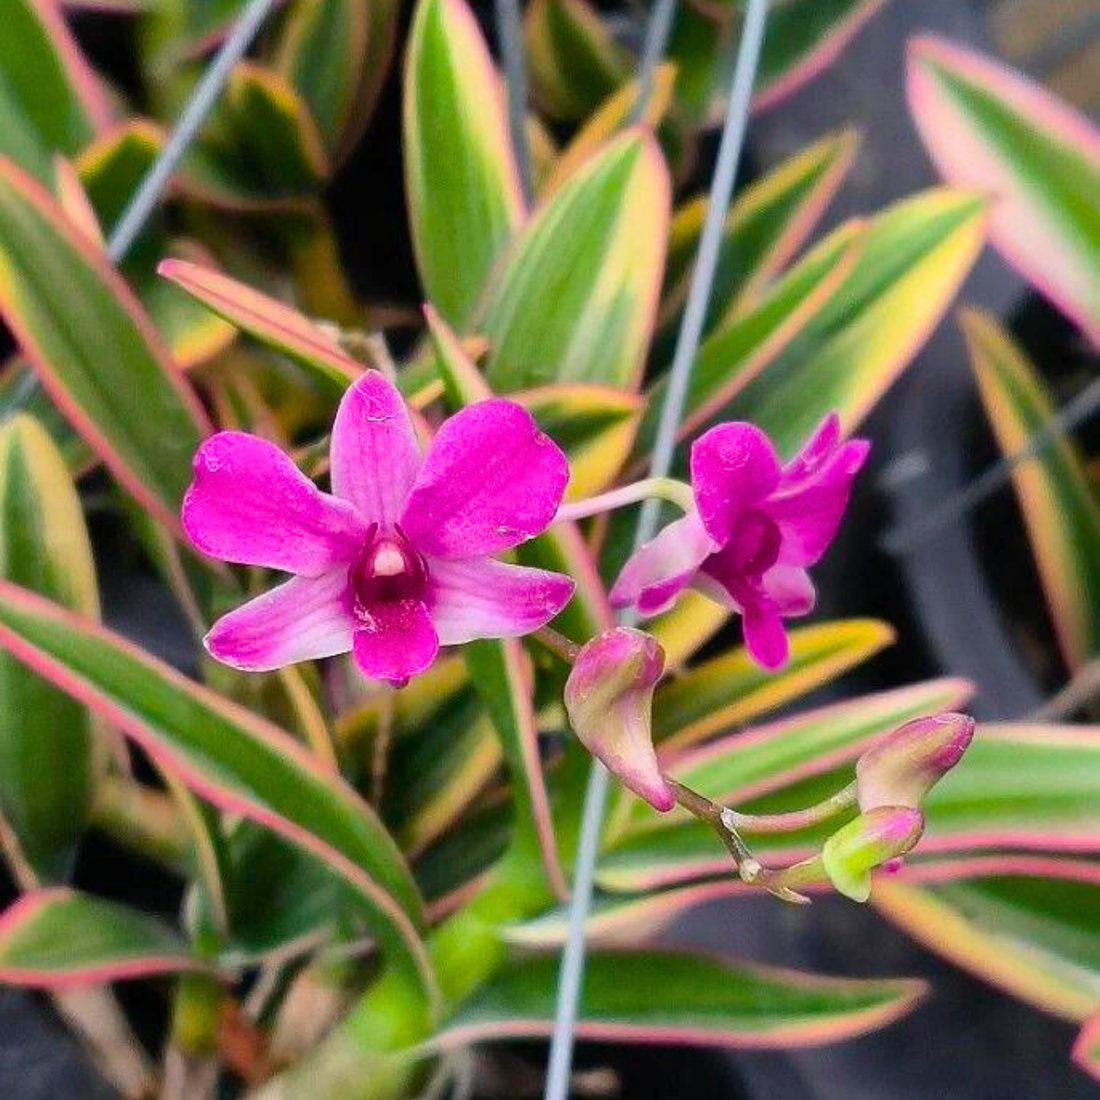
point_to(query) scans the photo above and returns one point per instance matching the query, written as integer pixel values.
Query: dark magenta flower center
(388, 569)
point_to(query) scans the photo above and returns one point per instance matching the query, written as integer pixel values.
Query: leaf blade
(226, 755)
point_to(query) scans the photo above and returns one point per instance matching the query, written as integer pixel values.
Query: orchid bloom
(397, 560)
(755, 528)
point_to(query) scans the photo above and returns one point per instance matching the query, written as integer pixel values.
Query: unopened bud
(904, 766)
(609, 697)
(872, 839)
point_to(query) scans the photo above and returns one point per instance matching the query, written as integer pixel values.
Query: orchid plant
(367, 785)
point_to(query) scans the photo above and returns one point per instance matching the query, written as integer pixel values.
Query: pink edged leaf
(913, 257)
(703, 1001)
(805, 37)
(1086, 1050)
(59, 938)
(46, 73)
(234, 759)
(48, 770)
(1032, 935)
(94, 348)
(500, 676)
(1055, 488)
(267, 320)
(743, 346)
(730, 689)
(993, 130)
(465, 201)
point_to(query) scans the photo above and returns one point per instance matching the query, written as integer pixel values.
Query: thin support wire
(901, 540)
(145, 198)
(571, 972)
(653, 49)
(510, 37)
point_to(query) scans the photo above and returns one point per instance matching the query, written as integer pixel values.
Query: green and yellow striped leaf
(995, 131)
(461, 180)
(46, 755)
(1057, 499)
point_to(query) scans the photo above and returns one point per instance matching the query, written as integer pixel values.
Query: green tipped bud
(901, 768)
(609, 697)
(879, 836)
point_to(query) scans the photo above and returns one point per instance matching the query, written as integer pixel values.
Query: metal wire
(145, 198)
(901, 540)
(571, 972)
(510, 37)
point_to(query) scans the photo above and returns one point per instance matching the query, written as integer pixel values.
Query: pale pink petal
(304, 619)
(485, 598)
(791, 589)
(655, 575)
(809, 510)
(491, 480)
(249, 503)
(395, 641)
(733, 466)
(374, 452)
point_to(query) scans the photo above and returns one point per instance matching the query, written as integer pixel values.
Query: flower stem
(794, 820)
(650, 488)
(558, 644)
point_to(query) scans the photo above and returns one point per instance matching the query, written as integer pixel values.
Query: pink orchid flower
(397, 561)
(756, 527)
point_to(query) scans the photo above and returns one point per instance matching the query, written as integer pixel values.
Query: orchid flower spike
(397, 561)
(609, 698)
(755, 529)
(902, 767)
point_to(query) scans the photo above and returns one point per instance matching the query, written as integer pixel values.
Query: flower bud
(901, 768)
(876, 837)
(609, 697)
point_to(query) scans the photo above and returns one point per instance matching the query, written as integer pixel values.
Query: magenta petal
(249, 503)
(657, 573)
(791, 589)
(808, 510)
(375, 454)
(395, 641)
(304, 619)
(733, 466)
(765, 637)
(814, 451)
(484, 598)
(491, 480)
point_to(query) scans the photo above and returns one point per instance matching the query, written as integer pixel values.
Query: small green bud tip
(880, 836)
(901, 768)
(609, 698)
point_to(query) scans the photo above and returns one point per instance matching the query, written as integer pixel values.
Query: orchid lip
(387, 569)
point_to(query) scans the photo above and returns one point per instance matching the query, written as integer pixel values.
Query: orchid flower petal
(395, 641)
(304, 619)
(733, 466)
(491, 480)
(654, 575)
(485, 598)
(791, 589)
(765, 636)
(249, 503)
(822, 442)
(809, 510)
(375, 454)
